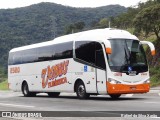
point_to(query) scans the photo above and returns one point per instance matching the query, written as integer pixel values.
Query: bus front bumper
(127, 89)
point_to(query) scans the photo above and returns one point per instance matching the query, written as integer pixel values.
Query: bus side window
(85, 50)
(45, 53)
(29, 55)
(17, 58)
(10, 60)
(63, 50)
(90, 52)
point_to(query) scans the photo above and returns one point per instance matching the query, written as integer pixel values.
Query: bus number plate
(133, 88)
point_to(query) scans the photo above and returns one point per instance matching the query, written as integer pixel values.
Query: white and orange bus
(102, 61)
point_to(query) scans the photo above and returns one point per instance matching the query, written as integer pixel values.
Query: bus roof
(90, 35)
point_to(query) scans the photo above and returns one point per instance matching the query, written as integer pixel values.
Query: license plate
(133, 88)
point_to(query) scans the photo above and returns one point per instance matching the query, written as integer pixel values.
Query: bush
(155, 76)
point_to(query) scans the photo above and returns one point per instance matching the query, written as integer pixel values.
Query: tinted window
(52, 52)
(45, 53)
(85, 51)
(16, 58)
(29, 55)
(10, 60)
(100, 61)
(90, 52)
(64, 50)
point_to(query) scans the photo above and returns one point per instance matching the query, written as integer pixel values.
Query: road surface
(67, 105)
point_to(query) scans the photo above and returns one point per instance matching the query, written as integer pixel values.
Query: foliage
(155, 73)
(124, 20)
(103, 23)
(76, 27)
(2, 74)
(148, 20)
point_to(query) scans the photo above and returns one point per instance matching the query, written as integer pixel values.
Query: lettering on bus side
(14, 70)
(50, 75)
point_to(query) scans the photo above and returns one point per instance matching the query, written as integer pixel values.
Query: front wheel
(115, 96)
(81, 91)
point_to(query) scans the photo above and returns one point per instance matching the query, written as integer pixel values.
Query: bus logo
(51, 75)
(15, 70)
(129, 68)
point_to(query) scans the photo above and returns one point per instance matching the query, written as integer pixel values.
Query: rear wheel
(115, 96)
(26, 92)
(53, 94)
(81, 91)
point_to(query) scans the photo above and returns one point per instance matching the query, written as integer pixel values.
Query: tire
(81, 91)
(115, 96)
(53, 94)
(26, 92)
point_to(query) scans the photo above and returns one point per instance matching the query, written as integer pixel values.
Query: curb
(154, 91)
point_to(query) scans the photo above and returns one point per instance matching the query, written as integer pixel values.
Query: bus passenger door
(100, 72)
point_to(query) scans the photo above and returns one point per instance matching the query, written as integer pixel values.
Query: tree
(79, 25)
(148, 20)
(76, 27)
(103, 23)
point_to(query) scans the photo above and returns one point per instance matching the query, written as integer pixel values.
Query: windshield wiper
(127, 58)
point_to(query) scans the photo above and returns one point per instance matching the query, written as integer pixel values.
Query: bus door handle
(100, 81)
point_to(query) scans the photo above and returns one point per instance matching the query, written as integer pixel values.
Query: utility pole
(109, 24)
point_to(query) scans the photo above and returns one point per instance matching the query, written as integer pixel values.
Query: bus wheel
(115, 96)
(26, 92)
(81, 91)
(53, 94)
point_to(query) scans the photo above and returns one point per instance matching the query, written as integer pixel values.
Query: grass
(4, 85)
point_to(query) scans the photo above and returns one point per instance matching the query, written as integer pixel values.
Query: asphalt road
(67, 105)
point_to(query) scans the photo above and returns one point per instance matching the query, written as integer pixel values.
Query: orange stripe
(125, 89)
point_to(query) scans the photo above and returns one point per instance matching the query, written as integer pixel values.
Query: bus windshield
(127, 53)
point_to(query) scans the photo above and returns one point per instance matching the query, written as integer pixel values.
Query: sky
(5, 4)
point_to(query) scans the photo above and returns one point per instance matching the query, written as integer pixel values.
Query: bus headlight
(147, 81)
(113, 81)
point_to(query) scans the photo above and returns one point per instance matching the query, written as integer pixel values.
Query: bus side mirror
(108, 46)
(151, 46)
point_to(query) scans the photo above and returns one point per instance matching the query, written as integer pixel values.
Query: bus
(95, 62)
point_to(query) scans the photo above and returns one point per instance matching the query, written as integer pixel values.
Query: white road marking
(128, 95)
(153, 102)
(159, 94)
(15, 105)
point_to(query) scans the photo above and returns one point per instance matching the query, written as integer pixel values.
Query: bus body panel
(33, 76)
